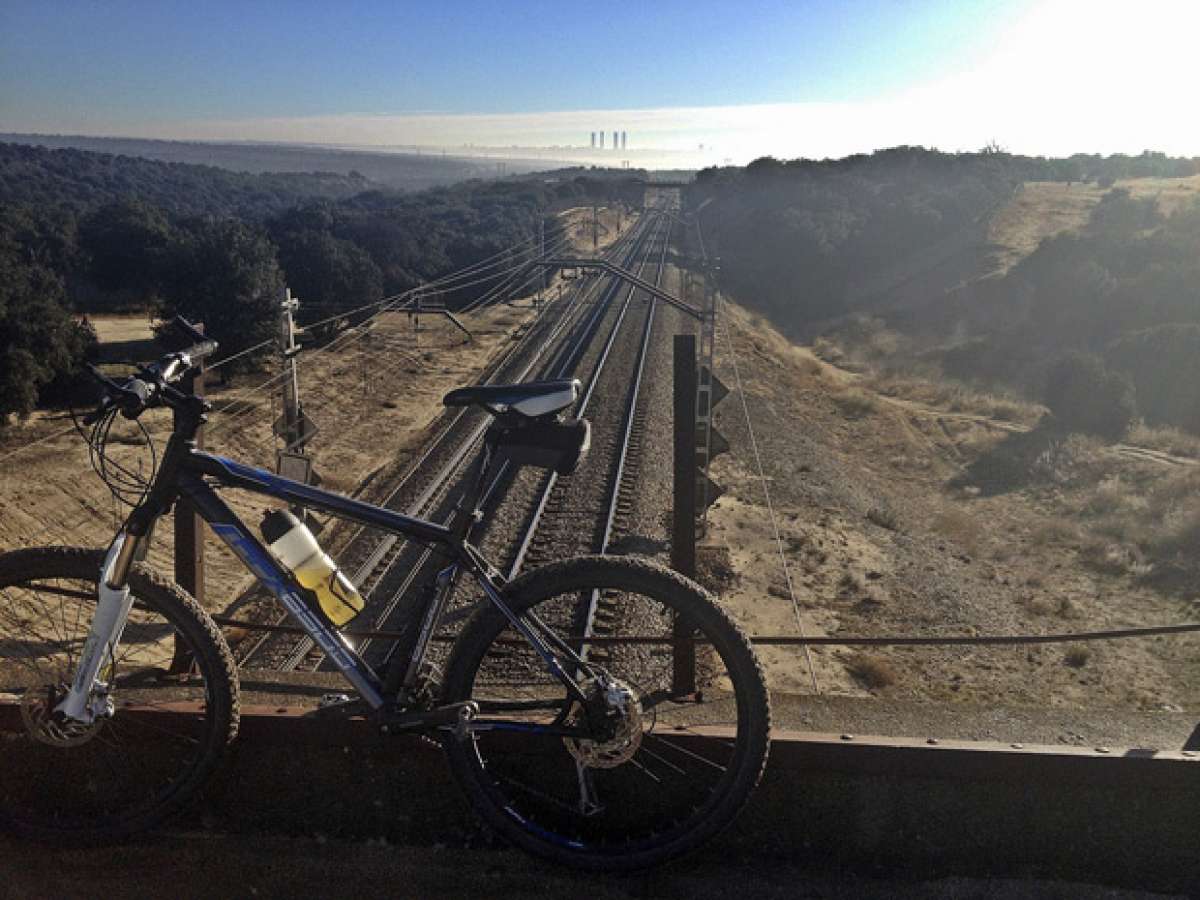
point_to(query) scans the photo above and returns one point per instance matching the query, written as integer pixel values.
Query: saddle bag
(544, 444)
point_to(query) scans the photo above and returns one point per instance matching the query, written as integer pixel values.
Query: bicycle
(564, 716)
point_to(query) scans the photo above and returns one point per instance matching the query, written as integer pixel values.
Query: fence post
(683, 533)
(189, 531)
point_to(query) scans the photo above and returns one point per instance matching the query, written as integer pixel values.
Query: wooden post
(683, 532)
(189, 533)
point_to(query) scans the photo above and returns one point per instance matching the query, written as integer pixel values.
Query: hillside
(84, 232)
(1044, 209)
(886, 531)
(79, 179)
(408, 171)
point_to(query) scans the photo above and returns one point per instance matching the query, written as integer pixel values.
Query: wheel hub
(615, 704)
(43, 724)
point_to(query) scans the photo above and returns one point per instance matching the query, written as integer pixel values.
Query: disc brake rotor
(37, 712)
(618, 749)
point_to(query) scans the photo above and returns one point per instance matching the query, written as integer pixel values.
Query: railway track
(513, 510)
(387, 568)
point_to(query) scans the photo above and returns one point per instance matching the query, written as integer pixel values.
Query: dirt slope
(879, 541)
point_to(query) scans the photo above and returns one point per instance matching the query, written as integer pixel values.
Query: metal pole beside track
(683, 532)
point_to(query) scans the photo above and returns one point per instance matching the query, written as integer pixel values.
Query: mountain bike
(561, 703)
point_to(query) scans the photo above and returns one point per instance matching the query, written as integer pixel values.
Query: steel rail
(433, 448)
(378, 559)
(552, 478)
(565, 366)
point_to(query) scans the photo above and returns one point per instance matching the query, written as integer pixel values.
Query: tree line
(83, 233)
(1124, 292)
(1108, 316)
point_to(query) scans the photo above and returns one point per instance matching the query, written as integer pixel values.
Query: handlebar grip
(132, 407)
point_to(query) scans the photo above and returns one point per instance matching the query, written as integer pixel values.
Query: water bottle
(297, 550)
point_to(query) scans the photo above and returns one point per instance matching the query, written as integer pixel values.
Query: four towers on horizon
(618, 140)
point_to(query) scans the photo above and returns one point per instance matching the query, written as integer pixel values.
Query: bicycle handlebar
(135, 395)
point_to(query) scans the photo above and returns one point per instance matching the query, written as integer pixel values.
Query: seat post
(469, 514)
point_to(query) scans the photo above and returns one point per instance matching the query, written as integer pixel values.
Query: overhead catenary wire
(340, 344)
(762, 477)
(445, 282)
(506, 286)
(507, 261)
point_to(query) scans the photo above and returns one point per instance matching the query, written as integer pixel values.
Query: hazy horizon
(729, 85)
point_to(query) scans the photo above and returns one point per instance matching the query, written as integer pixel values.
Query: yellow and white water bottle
(294, 546)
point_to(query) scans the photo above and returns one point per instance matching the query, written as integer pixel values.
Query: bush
(1085, 396)
(1164, 365)
(873, 672)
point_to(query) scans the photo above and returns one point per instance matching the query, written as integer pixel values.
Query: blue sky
(534, 72)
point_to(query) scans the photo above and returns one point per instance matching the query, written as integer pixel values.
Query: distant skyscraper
(623, 136)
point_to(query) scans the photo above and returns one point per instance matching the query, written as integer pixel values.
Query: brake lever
(115, 395)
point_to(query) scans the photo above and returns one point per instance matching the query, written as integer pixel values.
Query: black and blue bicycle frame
(195, 466)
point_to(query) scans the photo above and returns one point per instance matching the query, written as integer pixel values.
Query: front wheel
(641, 764)
(171, 684)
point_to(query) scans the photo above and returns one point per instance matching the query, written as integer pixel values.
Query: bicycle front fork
(88, 699)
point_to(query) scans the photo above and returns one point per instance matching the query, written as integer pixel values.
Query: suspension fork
(83, 703)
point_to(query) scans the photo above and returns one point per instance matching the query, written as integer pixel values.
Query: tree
(126, 243)
(328, 274)
(41, 344)
(225, 275)
(1087, 397)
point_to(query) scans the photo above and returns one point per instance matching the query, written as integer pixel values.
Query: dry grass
(954, 396)
(884, 517)
(874, 672)
(1054, 530)
(960, 527)
(1164, 439)
(856, 403)
(1041, 209)
(825, 349)
(120, 329)
(1077, 657)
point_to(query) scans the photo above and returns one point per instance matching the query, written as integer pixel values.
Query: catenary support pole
(683, 532)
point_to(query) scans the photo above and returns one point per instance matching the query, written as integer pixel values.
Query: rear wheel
(646, 767)
(173, 687)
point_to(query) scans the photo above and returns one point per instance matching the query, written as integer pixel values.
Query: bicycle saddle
(532, 400)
